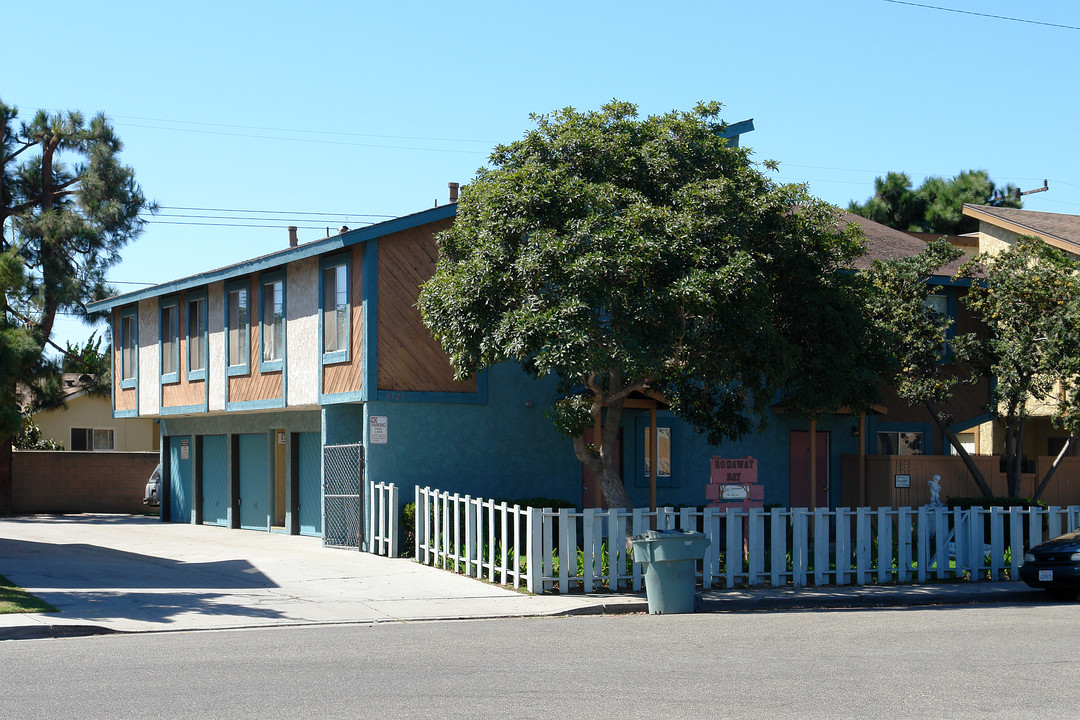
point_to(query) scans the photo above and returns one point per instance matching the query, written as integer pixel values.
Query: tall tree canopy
(626, 255)
(935, 206)
(924, 369)
(67, 207)
(1029, 297)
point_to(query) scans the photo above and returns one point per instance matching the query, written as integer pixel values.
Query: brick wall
(78, 482)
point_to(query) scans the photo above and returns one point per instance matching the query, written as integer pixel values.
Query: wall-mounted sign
(377, 430)
(735, 492)
(733, 470)
(733, 483)
(902, 481)
(281, 438)
(185, 449)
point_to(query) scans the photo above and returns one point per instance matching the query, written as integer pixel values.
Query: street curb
(40, 632)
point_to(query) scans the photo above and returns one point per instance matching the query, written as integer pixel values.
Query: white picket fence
(527, 546)
(382, 520)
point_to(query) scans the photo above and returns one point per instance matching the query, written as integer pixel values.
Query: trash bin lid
(653, 535)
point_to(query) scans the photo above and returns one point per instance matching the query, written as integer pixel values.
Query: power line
(985, 15)
(313, 132)
(306, 140)
(149, 217)
(244, 225)
(287, 130)
(277, 212)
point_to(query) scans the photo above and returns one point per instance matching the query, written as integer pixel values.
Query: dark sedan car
(1054, 566)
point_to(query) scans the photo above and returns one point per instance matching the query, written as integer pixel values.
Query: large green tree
(625, 254)
(1029, 297)
(67, 207)
(937, 205)
(924, 369)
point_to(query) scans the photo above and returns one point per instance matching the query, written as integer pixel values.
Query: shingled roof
(1057, 229)
(885, 243)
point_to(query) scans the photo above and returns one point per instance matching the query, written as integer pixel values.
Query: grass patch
(13, 599)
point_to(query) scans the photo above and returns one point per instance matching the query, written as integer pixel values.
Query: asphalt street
(979, 661)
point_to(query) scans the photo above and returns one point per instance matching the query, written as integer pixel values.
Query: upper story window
(272, 327)
(170, 342)
(129, 359)
(939, 303)
(335, 309)
(196, 337)
(237, 328)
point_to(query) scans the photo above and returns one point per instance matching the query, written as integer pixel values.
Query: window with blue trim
(272, 327)
(900, 443)
(169, 342)
(237, 328)
(196, 337)
(939, 303)
(665, 467)
(335, 309)
(129, 348)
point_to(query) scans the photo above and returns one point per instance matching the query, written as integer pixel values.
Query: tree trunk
(969, 463)
(1053, 468)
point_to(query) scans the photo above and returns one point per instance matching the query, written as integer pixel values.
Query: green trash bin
(669, 557)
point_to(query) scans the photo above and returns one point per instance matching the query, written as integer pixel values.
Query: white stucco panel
(149, 358)
(302, 332)
(215, 345)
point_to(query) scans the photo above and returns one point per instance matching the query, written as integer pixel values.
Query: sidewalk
(117, 573)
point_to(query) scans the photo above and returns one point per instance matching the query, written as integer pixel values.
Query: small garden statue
(935, 491)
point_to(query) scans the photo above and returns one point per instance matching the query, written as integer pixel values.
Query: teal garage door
(180, 484)
(254, 482)
(215, 480)
(310, 482)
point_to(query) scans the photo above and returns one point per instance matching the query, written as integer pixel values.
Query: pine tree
(67, 208)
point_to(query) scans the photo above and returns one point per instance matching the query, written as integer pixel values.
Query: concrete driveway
(137, 574)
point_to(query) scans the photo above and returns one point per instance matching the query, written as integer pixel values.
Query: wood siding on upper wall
(410, 359)
(184, 392)
(348, 376)
(255, 385)
(124, 400)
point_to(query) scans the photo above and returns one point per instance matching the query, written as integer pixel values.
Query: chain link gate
(344, 496)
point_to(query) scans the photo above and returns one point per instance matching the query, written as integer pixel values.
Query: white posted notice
(377, 430)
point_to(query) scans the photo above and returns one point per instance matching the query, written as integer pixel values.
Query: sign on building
(377, 430)
(733, 482)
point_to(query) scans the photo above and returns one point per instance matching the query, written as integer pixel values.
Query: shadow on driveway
(93, 583)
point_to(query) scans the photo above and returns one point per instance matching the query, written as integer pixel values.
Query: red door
(800, 469)
(589, 486)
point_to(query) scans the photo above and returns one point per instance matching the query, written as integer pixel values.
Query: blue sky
(355, 110)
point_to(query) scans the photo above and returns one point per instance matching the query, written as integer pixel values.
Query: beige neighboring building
(1000, 228)
(87, 423)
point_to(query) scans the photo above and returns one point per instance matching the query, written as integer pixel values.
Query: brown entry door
(590, 488)
(800, 469)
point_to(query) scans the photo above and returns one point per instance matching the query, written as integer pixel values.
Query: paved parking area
(137, 574)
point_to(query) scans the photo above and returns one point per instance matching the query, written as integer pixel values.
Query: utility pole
(998, 199)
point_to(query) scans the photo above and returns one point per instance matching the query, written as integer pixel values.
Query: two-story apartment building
(252, 369)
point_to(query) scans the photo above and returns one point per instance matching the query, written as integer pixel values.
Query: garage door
(310, 453)
(215, 478)
(254, 482)
(180, 484)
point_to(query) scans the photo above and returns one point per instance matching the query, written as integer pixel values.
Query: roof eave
(276, 259)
